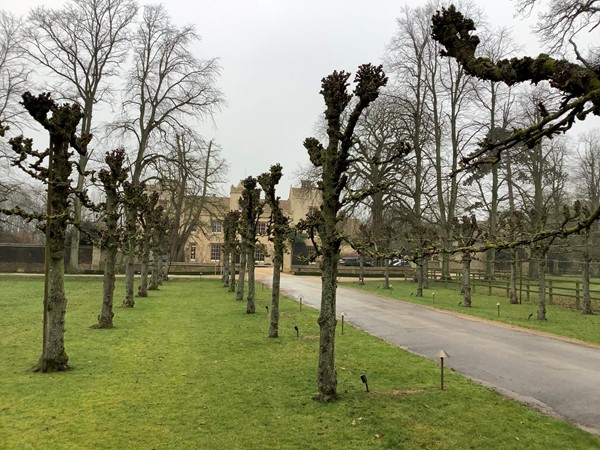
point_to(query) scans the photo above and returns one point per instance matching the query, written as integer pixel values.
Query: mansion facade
(205, 244)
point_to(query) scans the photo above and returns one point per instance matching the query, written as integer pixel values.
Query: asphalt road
(558, 377)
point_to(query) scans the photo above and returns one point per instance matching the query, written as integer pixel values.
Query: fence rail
(564, 290)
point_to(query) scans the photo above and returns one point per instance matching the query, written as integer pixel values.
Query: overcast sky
(274, 54)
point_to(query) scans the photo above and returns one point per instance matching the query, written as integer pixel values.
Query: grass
(187, 368)
(560, 321)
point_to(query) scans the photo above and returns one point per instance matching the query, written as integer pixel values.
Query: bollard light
(363, 378)
(343, 315)
(442, 354)
(301, 298)
(297, 330)
(433, 298)
(498, 305)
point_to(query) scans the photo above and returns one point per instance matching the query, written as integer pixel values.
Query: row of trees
(103, 52)
(83, 47)
(487, 169)
(404, 154)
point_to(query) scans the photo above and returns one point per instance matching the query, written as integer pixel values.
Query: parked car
(397, 262)
(353, 262)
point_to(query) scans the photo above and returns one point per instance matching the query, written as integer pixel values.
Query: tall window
(215, 252)
(261, 228)
(259, 255)
(217, 226)
(193, 252)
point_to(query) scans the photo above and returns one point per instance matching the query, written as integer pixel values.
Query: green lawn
(560, 320)
(188, 369)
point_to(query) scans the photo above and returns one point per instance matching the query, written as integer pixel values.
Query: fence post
(577, 304)
(489, 286)
(528, 289)
(550, 299)
(508, 288)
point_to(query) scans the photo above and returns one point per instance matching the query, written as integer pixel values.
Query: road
(558, 377)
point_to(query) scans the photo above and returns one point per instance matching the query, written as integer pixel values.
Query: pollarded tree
(280, 228)
(61, 122)
(230, 245)
(148, 217)
(334, 161)
(133, 200)
(251, 209)
(160, 245)
(81, 45)
(112, 179)
(467, 233)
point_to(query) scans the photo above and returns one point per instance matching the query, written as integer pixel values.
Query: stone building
(204, 245)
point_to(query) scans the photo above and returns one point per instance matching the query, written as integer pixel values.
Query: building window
(259, 255)
(261, 228)
(217, 226)
(193, 253)
(215, 252)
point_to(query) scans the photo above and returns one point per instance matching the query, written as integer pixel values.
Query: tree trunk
(106, 313)
(155, 271)
(490, 264)
(232, 273)
(541, 263)
(128, 302)
(225, 276)
(326, 374)
(75, 238)
(386, 274)
(420, 277)
(250, 306)
(54, 357)
(143, 289)
(585, 276)
(242, 276)
(274, 325)
(513, 278)
(466, 279)
(446, 267)
(130, 230)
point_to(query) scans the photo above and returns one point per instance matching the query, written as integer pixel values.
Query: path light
(363, 378)
(498, 305)
(343, 315)
(297, 330)
(442, 354)
(433, 298)
(301, 298)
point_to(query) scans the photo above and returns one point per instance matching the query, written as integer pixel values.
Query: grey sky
(274, 54)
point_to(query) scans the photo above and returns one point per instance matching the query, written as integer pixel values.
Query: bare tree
(166, 86)
(334, 160)
(189, 175)
(81, 45)
(14, 72)
(560, 22)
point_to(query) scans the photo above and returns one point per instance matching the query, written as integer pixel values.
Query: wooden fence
(567, 291)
